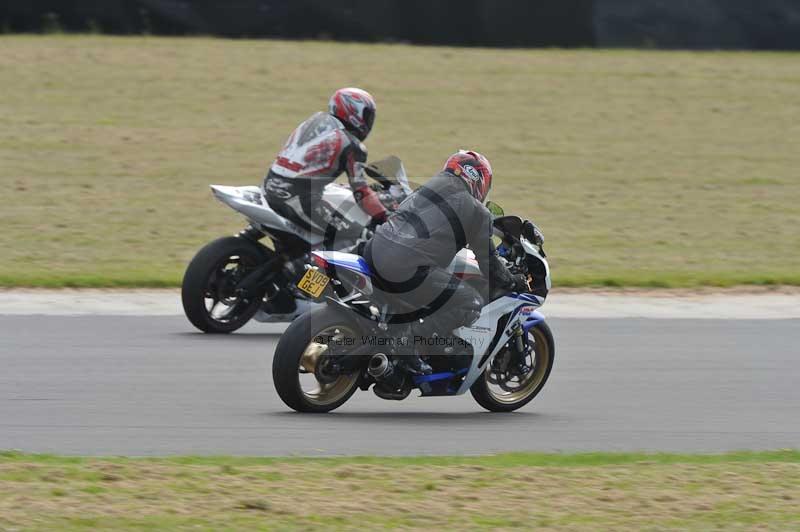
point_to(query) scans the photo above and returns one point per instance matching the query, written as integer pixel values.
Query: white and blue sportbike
(504, 358)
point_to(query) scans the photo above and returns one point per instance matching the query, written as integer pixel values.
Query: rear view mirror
(532, 233)
(495, 209)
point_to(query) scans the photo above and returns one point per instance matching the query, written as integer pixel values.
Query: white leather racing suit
(318, 151)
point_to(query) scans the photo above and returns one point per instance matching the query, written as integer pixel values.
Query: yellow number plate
(313, 283)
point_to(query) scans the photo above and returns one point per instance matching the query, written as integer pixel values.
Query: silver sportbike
(230, 280)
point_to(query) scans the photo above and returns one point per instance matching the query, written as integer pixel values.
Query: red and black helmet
(355, 108)
(474, 169)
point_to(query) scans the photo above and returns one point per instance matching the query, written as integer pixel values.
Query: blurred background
(655, 142)
(743, 24)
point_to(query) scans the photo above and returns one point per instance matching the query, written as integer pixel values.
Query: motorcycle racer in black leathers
(410, 252)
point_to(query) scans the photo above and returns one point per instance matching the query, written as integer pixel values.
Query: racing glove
(369, 201)
(520, 283)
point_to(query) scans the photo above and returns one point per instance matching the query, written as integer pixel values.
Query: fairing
(250, 202)
(349, 261)
(482, 333)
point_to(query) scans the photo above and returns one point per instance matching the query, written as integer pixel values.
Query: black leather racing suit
(411, 251)
(316, 152)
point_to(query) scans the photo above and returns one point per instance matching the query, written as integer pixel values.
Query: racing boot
(409, 357)
(389, 383)
(414, 364)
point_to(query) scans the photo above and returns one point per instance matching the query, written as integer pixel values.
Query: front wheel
(506, 390)
(208, 293)
(303, 357)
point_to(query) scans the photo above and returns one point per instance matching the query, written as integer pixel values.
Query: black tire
(487, 399)
(200, 275)
(289, 352)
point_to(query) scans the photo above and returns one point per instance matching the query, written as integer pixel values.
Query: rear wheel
(302, 367)
(507, 389)
(209, 295)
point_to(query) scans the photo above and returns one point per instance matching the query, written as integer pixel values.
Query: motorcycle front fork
(522, 347)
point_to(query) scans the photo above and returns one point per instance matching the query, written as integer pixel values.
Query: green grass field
(739, 491)
(643, 168)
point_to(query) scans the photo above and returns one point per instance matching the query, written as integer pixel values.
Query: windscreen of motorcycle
(392, 168)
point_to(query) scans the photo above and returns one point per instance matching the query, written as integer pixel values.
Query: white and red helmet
(474, 169)
(355, 108)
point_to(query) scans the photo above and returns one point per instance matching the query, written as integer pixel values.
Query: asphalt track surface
(109, 385)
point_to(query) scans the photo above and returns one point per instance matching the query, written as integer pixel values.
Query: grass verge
(643, 168)
(520, 490)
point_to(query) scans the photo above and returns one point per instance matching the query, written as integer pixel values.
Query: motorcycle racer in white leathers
(321, 148)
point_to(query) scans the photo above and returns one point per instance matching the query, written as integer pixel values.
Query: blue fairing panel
(528, 297)
(533, 319)
(349, 261)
